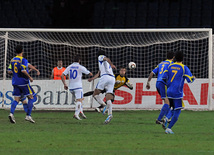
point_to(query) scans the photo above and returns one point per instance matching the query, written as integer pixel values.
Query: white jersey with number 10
(75, 71)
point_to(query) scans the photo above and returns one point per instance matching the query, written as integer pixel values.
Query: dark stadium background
(106, 13)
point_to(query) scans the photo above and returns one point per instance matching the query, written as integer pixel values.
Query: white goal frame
(8, 30)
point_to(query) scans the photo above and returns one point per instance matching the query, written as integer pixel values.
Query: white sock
(98, 99)
(81, 109)
(77, 108)
(109, 106)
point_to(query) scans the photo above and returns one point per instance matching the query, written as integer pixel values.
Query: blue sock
(174, 118)
(164, 111)
(25, 107)
(30, 107)
(13, 106)
(170, 113)
(34, 98)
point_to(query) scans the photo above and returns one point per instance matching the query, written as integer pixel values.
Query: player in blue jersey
(23, 98)
(161, 84)
(175, 76)
(21, 86)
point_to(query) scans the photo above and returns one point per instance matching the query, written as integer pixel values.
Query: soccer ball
(132, 65)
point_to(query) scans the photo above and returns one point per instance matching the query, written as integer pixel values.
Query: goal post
(146, 47)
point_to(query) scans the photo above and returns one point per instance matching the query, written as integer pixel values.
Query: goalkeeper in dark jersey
(120, 80)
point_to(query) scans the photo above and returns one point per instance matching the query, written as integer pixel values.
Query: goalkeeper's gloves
(117, 82)
(129, 85)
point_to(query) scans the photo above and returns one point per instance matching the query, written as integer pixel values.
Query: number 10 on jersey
(73, 74)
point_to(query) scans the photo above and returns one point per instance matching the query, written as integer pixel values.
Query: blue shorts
(162, 89)
(176, 103)
(24, 97)
(22, 91)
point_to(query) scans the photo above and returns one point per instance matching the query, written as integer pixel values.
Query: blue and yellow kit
(17, 65)
(176, 75)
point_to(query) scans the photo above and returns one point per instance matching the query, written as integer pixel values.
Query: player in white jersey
(106, 82)
(74, 71)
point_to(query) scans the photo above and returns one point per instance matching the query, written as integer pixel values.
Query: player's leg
(109, 98)
(100, 86)
(165, 108)
(17, 96)
(81, 107)
(28, 91)
(169, 114)
(89, 93)
(99, 109)
(78, 93)
(97, 97)
(24, 103)
(178, 105)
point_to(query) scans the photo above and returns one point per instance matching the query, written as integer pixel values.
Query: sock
(25, 107)
(109, 107)
(13, 106)
(34, 98)
(164, 110)
(81, 108)
(30, 106)
(98, 99)
(77, 108)
(170, 113)
(174, 118)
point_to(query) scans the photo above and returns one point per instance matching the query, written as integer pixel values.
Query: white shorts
(78, 93)
(106, 82)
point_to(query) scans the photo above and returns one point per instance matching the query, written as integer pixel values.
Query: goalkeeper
(120, 80)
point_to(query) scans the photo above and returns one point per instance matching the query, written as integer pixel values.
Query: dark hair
(170, 55)
(122, 68)
(19, 49)
(76, 58)
(179, 56)
(100, 52)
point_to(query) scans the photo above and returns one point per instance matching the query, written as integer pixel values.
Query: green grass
(129, 132)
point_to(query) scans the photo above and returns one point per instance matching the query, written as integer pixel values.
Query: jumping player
(120, 80)
(106, 82)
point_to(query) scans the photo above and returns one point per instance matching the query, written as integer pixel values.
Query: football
(132, 65)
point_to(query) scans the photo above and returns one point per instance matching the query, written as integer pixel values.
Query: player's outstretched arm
(149, 79)
(109, 61)
(129, 85)
(63, 81)
(95, 76)
(34, 68)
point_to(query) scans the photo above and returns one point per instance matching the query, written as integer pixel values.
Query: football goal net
(43, 48)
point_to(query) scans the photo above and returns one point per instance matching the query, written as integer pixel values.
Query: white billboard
(51, 95)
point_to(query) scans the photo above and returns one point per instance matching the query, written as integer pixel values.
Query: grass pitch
(129, 132)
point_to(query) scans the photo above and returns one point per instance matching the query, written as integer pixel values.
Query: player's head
(100, 52)
(59, 63)
(19, 49)
(76, 58)
(122, 71)
(170, 55)
(179, 56)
